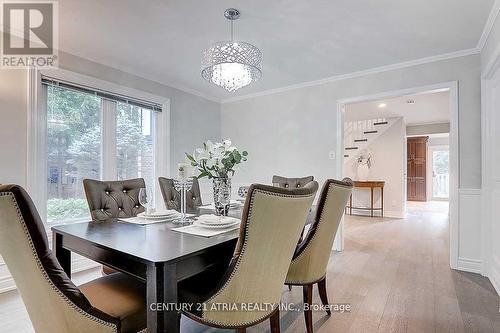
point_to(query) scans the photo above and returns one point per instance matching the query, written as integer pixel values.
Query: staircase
(359, 134)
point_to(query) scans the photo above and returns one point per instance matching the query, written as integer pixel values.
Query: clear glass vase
(222, 195)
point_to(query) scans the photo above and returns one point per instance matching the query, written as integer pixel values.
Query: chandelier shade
(231, 64)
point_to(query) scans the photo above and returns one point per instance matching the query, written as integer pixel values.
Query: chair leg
(290, 287)
(323, 295)
(275, 322)
(308, 289)
(241, 330)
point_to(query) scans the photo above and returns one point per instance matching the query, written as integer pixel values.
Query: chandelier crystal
(231, 64)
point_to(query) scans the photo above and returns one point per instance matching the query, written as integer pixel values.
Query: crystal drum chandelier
(231, 64)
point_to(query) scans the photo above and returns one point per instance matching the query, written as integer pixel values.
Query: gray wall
(291, 132)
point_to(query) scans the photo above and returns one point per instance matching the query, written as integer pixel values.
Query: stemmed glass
(146, 199)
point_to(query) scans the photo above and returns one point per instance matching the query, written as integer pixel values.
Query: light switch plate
(331, 154)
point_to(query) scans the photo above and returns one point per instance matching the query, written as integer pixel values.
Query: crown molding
(129, 71)
(495, 10)
(375, 70)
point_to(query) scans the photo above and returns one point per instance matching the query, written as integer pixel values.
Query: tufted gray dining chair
(285, 182)
(113, 199)
(291, 183)
(172, 197)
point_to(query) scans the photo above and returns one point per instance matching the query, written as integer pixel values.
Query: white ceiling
(301, 40)
(428, 108)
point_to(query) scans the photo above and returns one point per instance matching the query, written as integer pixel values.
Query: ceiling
(428, 108)
(301, 41)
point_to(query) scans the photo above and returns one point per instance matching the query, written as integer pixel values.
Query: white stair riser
(355, 130)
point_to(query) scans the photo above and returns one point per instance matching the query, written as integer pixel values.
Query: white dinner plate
(217, 226)
(159, 214)
(210, 219)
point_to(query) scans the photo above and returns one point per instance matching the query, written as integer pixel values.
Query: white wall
(388, 164)
(13, 129)
(291, 132)
(490, 58)
(438, 141)
(428, 129)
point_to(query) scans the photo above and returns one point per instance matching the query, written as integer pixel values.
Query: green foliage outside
(74, 147)
(441, 162)
(64, 209)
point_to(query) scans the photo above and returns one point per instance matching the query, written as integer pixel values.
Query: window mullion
(108, 137)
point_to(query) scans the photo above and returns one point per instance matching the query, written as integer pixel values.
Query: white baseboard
(470, 265)
(81, 264)
(387, 213)
(7, 284)
(395, 214)
(494, 274)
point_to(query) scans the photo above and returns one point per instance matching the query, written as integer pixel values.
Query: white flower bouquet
(217, 160)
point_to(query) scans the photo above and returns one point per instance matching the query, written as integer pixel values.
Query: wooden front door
(416, 169)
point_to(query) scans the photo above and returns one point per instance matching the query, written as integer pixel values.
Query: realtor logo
(30, 34)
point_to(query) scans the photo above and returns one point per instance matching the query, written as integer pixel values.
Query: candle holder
(182, 186)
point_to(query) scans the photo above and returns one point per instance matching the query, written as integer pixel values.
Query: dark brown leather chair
(271, 222)
(113, 199)
(113, 303)
(172, 197)
(311, 256)
(285, 182)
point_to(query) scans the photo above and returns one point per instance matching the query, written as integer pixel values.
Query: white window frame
(37, 132)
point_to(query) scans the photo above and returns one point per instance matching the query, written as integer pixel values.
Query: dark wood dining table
(153, 253)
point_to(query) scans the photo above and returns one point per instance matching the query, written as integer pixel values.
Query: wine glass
(146, 199)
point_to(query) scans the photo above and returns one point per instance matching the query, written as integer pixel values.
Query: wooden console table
(371, 185)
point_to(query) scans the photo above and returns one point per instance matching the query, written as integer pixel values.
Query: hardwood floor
(394, 273)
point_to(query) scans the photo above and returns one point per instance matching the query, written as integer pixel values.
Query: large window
(93, 135)
(134, 143)
(73, 151)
